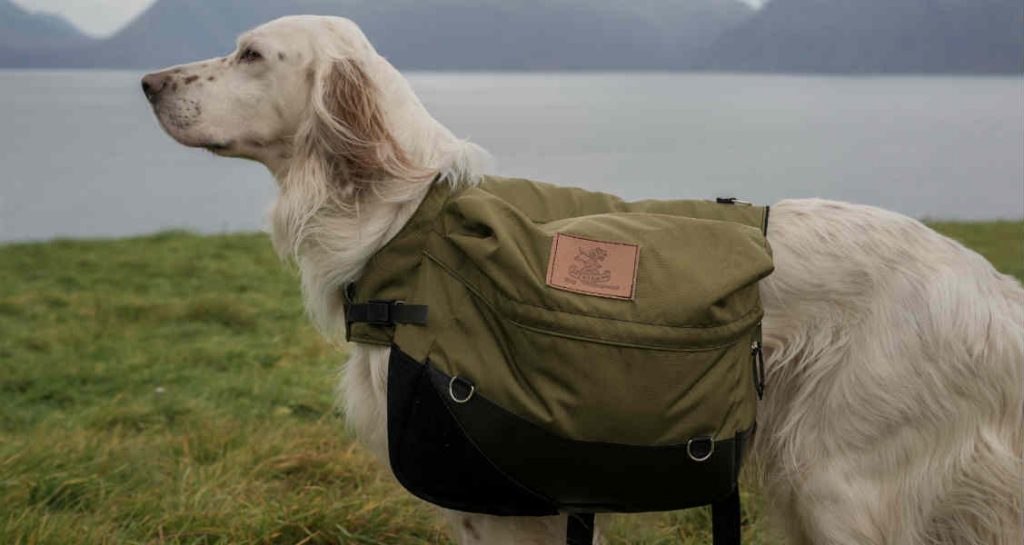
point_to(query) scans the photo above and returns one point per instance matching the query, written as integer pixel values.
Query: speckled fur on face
(234, 105)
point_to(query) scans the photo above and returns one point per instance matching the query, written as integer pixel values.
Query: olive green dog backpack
(559, 350)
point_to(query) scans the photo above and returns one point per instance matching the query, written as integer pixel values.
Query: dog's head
(350, 145)
(310, 88)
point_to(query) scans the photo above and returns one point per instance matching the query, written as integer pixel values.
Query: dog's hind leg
(784, 514)
(971, 511)
(839, 505)
(975, 501)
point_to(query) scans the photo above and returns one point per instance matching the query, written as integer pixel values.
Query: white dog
(895, 356)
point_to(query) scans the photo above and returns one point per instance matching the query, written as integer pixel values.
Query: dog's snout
(153, 84)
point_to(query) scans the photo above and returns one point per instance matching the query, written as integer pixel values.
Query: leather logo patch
(593, 267)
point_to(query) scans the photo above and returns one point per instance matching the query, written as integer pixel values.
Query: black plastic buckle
(378, 312)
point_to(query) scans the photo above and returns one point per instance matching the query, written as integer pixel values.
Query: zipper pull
(758, 355)
(731, 200)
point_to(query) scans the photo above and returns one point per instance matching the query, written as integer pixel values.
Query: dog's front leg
(475, 529)
(363, 393)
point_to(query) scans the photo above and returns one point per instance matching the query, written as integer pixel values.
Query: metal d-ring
(451, 390)
(689, 448)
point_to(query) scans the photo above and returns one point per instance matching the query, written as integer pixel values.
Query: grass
(168, 390)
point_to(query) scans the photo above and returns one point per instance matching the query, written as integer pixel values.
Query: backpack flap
(630, 364)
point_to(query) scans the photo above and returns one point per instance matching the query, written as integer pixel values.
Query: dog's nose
(153, 84)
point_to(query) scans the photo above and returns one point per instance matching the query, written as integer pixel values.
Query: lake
(82, 156)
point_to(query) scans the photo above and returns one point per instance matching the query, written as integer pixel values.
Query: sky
(102, 18)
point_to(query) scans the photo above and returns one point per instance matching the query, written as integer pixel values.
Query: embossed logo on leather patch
(593, 267)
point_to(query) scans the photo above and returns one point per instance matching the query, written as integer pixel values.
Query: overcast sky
(104, 17)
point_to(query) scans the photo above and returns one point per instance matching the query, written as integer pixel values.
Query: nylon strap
(386, 313)
(580, 530)
(725, 523)
(725, 519)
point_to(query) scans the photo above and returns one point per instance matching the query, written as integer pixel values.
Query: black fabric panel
(508, 466)
(584, 476)
(432, 457)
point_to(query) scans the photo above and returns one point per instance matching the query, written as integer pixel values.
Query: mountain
(549, 34)
(876, 36)
(829, 36)
(439, 34)
(20, 29)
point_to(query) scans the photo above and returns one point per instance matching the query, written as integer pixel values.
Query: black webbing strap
(580, 530)
(725, 523)
(725, 519)
(386, 313)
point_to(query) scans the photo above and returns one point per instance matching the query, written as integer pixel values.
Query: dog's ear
(352, 129)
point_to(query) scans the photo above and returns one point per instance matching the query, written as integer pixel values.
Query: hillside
(876, 36)
(803, 36)
(20, 29)
(442, 34)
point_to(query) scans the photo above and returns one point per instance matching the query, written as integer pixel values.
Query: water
(82, 156)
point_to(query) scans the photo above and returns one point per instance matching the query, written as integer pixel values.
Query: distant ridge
(436, 34)
(875, 36)
(24, 30)
(802, 36)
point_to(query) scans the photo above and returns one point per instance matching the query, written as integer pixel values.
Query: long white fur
(894, 413)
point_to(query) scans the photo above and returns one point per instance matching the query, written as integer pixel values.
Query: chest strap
(378, 312)
(725, 523)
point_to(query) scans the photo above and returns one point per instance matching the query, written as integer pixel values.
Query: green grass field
(168, 389)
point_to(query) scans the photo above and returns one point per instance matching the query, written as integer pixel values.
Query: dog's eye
(250, 55)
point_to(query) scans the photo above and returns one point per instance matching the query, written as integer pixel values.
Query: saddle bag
(559, 350)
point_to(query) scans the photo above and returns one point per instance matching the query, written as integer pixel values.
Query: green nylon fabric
(671, 364)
